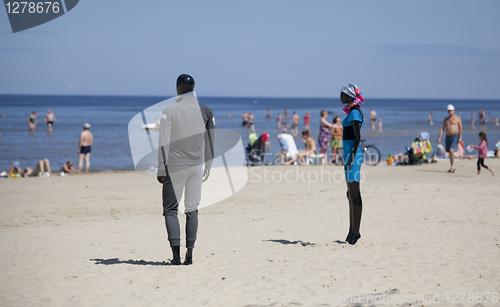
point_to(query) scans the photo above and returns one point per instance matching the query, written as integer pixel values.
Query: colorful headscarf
(353, 91)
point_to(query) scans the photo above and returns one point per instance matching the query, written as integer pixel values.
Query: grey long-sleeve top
(186, 135)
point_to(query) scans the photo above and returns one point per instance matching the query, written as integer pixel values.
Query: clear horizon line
(250, 97)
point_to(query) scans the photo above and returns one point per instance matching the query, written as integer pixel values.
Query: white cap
(86, 125)
(425, 135)
(451, 107)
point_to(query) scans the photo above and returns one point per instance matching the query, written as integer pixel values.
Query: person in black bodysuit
(186, 141)
(353, 156)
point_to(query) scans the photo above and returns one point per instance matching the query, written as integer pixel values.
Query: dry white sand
(100, 239)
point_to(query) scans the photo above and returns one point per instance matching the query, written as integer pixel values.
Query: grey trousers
(187, 181)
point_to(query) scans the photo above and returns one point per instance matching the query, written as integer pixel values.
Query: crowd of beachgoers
(42, 168)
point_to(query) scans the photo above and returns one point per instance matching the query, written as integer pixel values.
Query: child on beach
(68, 167)
(284, 128)
(483, 148)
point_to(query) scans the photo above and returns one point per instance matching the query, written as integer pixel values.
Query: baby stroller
(258, 149)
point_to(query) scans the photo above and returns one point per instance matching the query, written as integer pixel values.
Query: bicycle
(371, 154)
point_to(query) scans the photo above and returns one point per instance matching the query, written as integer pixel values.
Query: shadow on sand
(291, 242)
(430, 171)
(133, 262)
(302, 242)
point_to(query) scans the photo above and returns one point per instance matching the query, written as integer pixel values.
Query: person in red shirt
(307, 118)
(483, 149)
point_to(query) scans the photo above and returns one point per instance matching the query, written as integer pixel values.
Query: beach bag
(417, 149)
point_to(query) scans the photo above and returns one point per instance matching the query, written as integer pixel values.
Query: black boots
(176, 258)
(189, 257)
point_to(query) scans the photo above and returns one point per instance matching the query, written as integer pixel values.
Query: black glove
(161, 179)
(206, 174)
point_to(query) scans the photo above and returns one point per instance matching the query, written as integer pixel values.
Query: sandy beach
(100, 239)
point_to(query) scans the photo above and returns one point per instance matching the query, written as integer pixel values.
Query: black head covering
(184, 78)
(185, 84)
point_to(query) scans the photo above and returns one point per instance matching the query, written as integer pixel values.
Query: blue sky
(390, 49)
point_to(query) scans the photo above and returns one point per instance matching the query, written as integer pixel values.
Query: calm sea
(403, 120)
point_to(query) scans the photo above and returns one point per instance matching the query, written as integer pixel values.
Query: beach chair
(292, 147)
(315, 158)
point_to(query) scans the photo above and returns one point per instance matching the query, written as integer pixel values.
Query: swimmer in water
(50, 119)
(244, 118)
(32, 120)
(373, 118)
(307, 119)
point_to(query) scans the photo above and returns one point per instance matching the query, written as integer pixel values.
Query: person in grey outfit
(186, 141)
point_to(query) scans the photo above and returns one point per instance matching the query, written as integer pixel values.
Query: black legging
(480, 162)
